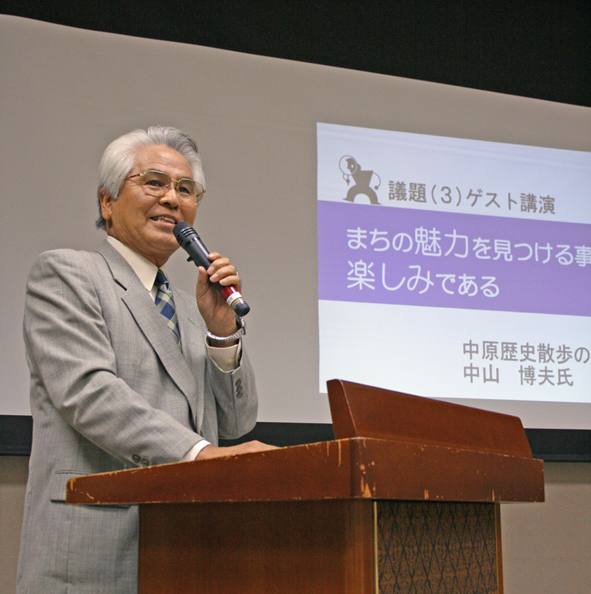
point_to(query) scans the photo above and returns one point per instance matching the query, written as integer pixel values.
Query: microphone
(190, 241)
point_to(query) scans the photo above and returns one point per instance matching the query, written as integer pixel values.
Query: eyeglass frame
(176, 182)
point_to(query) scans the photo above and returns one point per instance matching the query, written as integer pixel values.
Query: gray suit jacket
(110, 390)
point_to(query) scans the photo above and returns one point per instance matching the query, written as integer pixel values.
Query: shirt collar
(145, 270)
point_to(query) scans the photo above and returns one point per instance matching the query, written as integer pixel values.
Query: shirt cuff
(226, 358)
(195, 451)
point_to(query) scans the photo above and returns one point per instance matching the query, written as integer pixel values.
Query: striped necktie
(165, 304)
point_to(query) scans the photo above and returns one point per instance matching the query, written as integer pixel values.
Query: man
(122, 374)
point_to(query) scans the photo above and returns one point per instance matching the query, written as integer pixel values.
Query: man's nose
(171, 196)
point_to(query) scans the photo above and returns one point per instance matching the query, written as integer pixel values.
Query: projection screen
(282, 143)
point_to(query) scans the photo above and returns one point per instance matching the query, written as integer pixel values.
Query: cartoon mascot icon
(351, 169)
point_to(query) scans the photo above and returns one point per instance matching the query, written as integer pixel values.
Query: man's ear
(106, 201)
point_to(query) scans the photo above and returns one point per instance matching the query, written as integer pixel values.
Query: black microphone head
(183, 232)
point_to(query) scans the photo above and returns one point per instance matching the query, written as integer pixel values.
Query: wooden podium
(405, 500)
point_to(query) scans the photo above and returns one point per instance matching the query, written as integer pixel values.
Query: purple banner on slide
(374, 254)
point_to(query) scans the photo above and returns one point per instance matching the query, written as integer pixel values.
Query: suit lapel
(192, 348)
(153, 325)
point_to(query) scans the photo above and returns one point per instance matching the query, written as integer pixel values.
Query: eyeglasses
(156, 183)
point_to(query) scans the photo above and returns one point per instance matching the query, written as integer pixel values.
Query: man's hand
(219, 317)
(211, 451)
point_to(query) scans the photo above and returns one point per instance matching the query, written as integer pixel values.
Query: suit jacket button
(136, 458)
(145, 462)
(238, 382)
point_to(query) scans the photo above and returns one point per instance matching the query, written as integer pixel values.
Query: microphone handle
(190, 241)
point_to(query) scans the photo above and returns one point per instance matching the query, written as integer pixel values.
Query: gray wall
(13, 480)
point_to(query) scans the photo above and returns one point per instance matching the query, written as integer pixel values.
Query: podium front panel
(306, 547)
(320, 547)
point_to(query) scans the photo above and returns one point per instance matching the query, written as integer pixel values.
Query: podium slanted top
(363, 411)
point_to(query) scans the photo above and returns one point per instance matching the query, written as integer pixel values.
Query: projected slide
(454, 268)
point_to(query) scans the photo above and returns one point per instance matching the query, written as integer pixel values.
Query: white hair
(119, 158)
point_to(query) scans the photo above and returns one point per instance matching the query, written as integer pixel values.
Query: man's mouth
(165, 219)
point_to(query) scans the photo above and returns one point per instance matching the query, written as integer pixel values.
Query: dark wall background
(532, 48)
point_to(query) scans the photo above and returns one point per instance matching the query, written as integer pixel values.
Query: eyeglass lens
(157, 183)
